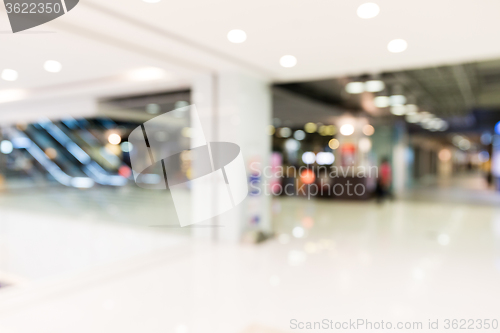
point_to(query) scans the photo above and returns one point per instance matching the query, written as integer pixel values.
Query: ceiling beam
(464, 85)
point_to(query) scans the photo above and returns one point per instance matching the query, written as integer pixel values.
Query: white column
(400, 159)
(236, 107)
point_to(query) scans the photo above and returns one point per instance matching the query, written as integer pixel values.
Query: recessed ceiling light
(368, 10)
(52, 66)
(396, 100)
(398, 110)
(9, 75)
(11, 95)
(288, 61)
(436, 124)
(443, 126)
(382, 101)
(237, 36)
(411, 109)
(424, 116)
(426, 124)
(147, 74)
(426, 119)
(397, 45)
(413, 118)
(355, 87)
(374, 85)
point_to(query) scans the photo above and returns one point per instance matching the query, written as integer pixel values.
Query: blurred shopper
(489, 174)
(384, 181)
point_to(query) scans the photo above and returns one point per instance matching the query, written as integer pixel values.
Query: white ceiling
(100, 40)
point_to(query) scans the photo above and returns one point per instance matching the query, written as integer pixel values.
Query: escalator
(54, 148)
(78, 131)
(62, 171)
(66, 162)
(87, 164)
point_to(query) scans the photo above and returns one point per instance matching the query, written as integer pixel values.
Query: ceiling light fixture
(398, 110)
(443, 126)
(426, 125)
(355, 87)
(412, 118)
(288, 61)
(147, 74)
(396, 100)
(382, 101)
(236, 36)
(11, 95)
(435, 124)
(397, 45)
(374, 86)
(411, 109)
(346, 129)
(52, 66)
(9, 75)
(368, 10)
(424, 116)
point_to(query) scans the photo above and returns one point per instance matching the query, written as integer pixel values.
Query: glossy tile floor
(403, 261)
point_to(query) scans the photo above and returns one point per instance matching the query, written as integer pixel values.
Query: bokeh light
(334, 144)
(114, 139)
(346, 129)
(368, 130)
(307, 176)
(310, 127)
